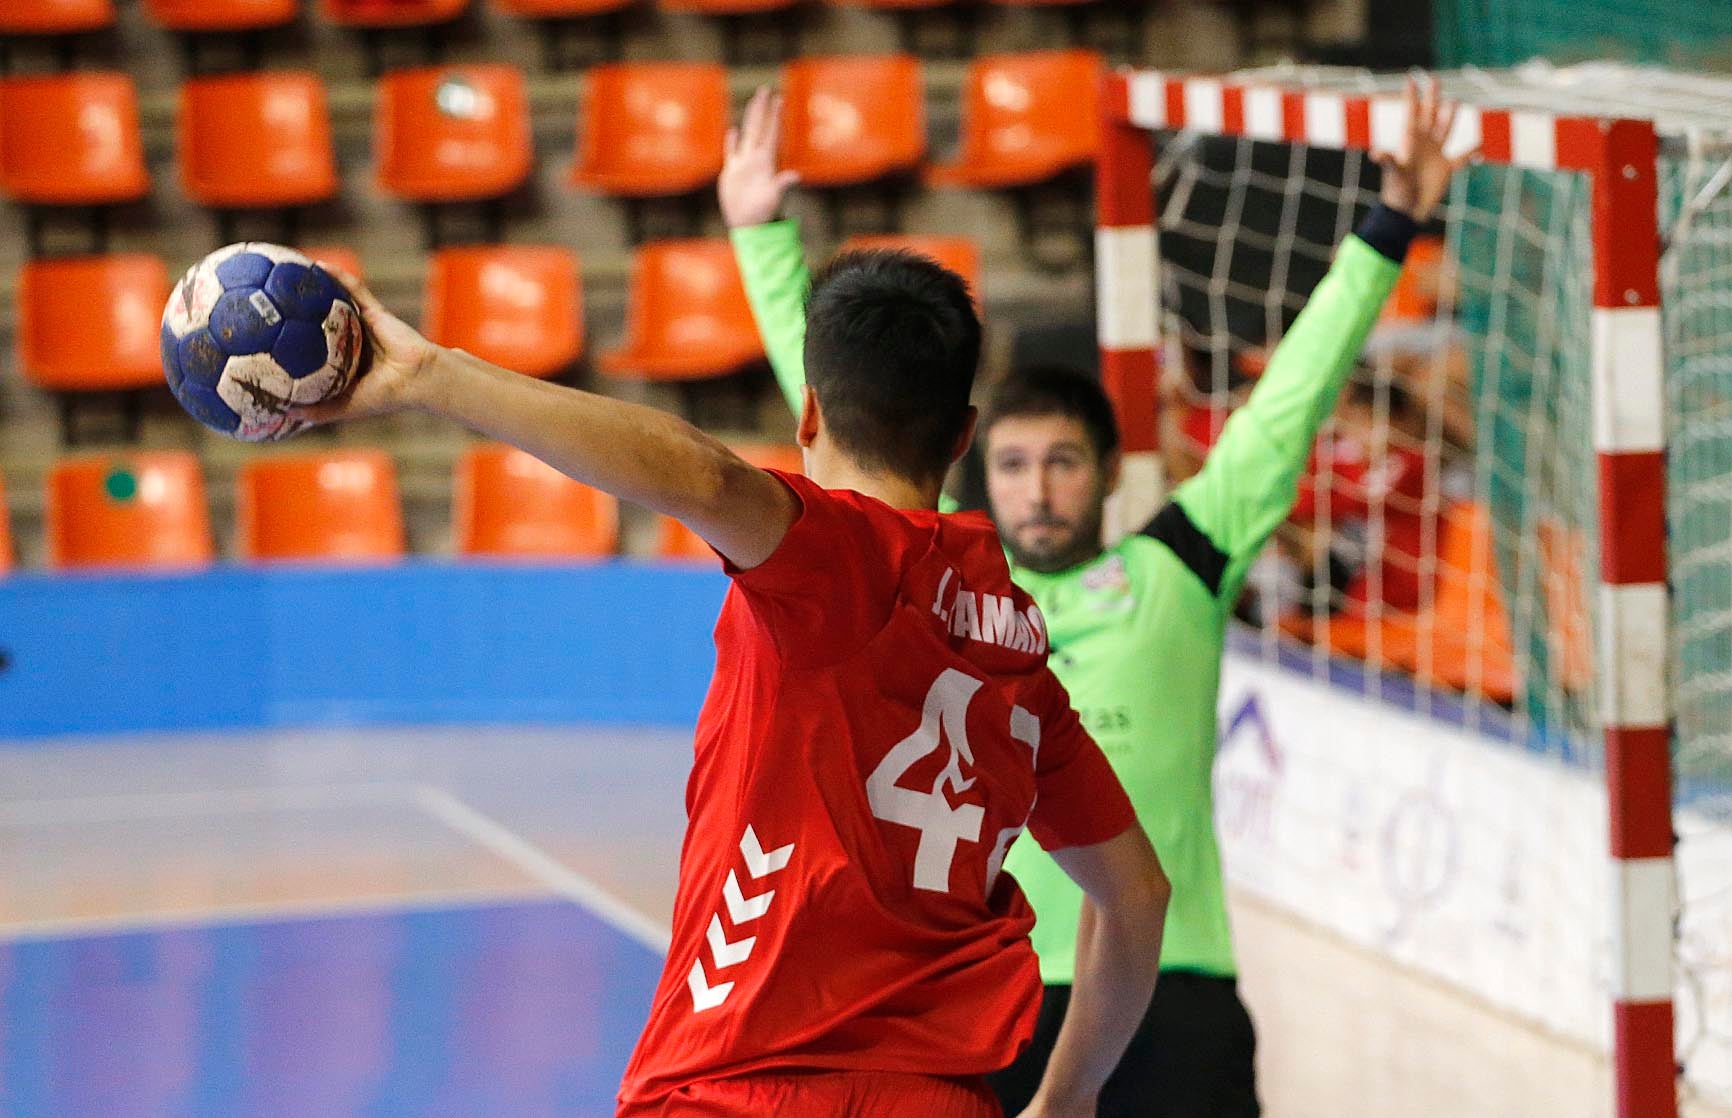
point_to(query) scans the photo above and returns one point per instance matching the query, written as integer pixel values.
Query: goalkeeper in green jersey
(1137, 629)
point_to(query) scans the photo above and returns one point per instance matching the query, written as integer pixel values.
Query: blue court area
(429, 921)
(529, 1008)
(339, 842)
(233, 883)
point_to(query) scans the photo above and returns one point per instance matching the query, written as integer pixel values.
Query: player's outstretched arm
(636, 453)
(1117, 960)
(751, 190)
(1249, 483)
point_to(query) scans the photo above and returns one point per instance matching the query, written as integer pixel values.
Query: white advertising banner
(1469, 859)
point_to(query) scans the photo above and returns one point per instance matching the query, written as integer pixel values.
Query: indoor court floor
(471, 922)
(452, 922)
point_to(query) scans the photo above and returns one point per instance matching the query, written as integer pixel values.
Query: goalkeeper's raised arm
(1249, 482)
(751, 190)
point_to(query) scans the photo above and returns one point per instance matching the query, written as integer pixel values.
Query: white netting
(1444, 556)
(1696, 214)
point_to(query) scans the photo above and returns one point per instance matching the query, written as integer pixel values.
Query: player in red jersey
(881, 726)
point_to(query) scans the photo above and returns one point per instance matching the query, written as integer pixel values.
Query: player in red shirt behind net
(881, 726)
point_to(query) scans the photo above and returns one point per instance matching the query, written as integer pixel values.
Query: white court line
(68, 927)
(175, 805)
(543, 867)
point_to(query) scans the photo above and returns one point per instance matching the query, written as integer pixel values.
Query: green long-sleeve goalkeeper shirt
(1137, 632)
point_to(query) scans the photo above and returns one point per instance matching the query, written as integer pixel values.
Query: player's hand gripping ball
(253, 329)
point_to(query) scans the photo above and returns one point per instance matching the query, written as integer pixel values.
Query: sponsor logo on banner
(1245, 793)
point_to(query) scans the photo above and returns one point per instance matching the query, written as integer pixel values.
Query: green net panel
(1508, 32)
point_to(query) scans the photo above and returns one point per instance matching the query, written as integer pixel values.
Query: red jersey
(881, 726)
(1358, 485)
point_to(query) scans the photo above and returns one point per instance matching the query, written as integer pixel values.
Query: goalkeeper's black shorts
(1192, 1057)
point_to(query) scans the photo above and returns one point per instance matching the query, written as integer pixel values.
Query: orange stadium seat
(520, 306)
(508, 504)
(1414, 297)
(453, 133)
(724, 7)
(92, 323)
(1025, 118)
(133, 510)
(687, 317)
(54, 17)
(340, 256)
(71, 140)
(391, 13)
(559, 9)
(221, 15)
(5, 532)
(336, 507)
(960, 254)
(256, 140)
(893, 5)
(1462, 639)
(1563, 552)
(679, 543)
(652, 129)
(1386, 641)
(848, 120)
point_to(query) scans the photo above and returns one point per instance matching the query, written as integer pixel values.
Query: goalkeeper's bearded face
(1047, 486)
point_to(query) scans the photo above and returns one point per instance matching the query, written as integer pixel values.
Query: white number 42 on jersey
(943, 826)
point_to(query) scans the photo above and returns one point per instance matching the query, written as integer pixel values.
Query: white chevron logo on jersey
(759, 862)
(705, 996)
(728, 954)
(741, 909)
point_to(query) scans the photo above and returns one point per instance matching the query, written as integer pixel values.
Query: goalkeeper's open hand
(1416, 179)
(750, 188)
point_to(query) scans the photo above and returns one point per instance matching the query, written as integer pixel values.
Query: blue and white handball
(253, 329)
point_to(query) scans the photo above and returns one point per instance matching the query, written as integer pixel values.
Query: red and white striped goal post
(1620, 158)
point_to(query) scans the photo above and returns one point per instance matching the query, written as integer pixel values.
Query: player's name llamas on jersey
(984, 616)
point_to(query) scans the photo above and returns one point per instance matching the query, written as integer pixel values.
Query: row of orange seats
(462, 133)
(1461, 639)
(148, 510)
(70, 17)
(90, 323)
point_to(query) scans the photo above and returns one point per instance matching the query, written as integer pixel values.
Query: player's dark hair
(1044, 390)
(892, 344)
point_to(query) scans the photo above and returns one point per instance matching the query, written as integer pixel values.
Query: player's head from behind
(892, 344)
(1052, 456)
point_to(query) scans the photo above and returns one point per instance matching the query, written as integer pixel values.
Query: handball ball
(253, 329)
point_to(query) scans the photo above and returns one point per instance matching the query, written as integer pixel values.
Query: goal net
(1470, 549)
